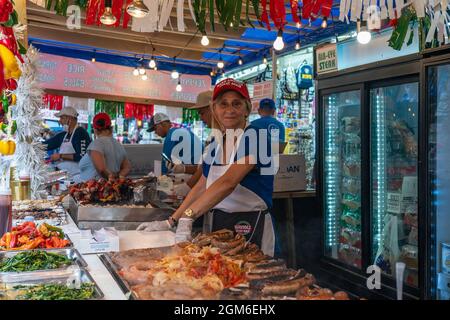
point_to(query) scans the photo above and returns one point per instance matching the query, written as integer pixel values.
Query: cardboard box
(291, 175)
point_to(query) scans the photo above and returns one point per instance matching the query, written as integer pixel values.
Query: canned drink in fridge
(446, 257)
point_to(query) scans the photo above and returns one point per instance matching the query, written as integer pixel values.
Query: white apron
(71, 167)
(241, 200)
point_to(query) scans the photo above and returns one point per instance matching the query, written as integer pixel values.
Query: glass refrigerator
(369, 165)
(437, 80)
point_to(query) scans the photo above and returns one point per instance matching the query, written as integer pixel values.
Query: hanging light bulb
(299, 25)
(363, 35)
(220, 64)
(141, 70)
(137, 9)
(179, 87)
(324, 23)
(212, 74)
(144, 77)
(155, 68)
(93, 59)
(135, 72)
(175, 74)
(231, 24)
(264, 60)
(152, 63)
(205, 40)
(107, 17)
(240, 62)
(278, 44)
(297, 45)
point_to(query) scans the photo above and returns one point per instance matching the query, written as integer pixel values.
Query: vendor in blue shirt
(72, 142)
(268, 121)
(236, 187)
(180, 145)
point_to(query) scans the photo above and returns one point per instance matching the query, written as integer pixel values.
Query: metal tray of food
(71, 254)
(11, 285)
(111, 267)
(66, 236)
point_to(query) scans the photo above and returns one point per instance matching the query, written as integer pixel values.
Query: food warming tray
(71, 253)
(122, 217)
(9, 281)
(110, 266)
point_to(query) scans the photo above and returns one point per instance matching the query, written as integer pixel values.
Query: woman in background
(105, 157)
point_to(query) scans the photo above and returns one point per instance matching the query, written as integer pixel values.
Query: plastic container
(5, 211)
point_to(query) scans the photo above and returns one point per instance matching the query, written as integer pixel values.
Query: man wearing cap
(267, 121)
(204, 111)
(72, 142)
(180, 146)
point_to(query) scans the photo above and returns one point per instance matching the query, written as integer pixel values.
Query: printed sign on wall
(69, 74)
(326, 58)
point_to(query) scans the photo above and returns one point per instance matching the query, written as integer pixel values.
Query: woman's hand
(184, 230)
(155, 226)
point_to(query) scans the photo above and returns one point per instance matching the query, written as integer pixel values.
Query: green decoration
(399, 34)
(13, 19)
(211, 15)
(60, 6)
(112, 108)
(82, 3)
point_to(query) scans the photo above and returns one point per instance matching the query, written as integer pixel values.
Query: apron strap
(254, 228)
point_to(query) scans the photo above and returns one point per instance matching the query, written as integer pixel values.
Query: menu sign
(326, 58)
(261, 91)
(69, 74)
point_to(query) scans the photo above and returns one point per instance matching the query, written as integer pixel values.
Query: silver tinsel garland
(30, 153)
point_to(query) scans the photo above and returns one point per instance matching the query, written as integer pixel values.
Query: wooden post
(21, 8)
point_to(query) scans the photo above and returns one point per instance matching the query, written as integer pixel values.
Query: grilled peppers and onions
(27, 236)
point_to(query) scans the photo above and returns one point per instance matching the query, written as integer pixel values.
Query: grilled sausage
(235, 250)
(229, 244)
(288, 286)
(259, 276)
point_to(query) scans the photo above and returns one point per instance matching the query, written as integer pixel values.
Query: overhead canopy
(49, 32)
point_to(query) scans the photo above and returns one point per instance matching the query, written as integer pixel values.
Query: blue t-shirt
(80, 142)
(182, 144)
(270, 123)
(260, 179)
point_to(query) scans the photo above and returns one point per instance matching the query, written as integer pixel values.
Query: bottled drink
(5, 211)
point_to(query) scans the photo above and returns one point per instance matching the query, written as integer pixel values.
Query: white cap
(157, 118)
(67, 111)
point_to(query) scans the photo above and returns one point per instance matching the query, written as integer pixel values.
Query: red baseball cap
(230, 84)
(101, 121)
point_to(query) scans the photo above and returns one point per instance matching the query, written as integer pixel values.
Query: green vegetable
(56, 292)
(56, 229)
(34, 260)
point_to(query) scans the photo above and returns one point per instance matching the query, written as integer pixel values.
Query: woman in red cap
(235, 190)
(105, 157)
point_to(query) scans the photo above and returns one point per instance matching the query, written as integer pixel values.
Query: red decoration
(278, 13)
(6, 8)
(126, 16)
(294, 11)
(138, 111)
(96, 8)
(9, 40)
(2, 76)
(11, 84)
(52, 102)
(264, 15)
(315, 8)
(326, 8)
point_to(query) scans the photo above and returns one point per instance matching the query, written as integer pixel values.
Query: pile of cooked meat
(185, 272)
